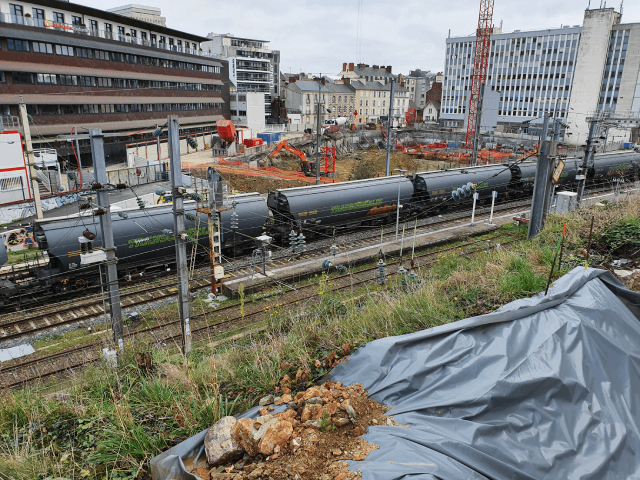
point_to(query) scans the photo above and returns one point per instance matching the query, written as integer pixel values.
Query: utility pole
(553, 151)
(540, 185)
(24, 119)
(389, 120)
(593, 124)
(476, 138)
(318, 133)
(75, 131)
(102, 196)
(177, 191)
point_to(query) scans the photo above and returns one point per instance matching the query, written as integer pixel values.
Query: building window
(153, 38)
(101, 55)
(94, 26)
(108, 30)
(88, 82)
(143, 36)
(70, 109)
(132, 59)
(22, 78)
(77, 21)
(104, 82)
(64, 50)
(46, 79)
(117, 57)
(89, 109)
(108, 109)
(84, 52)
(18, 45)
(40, 47)
(68, 80)
(48, 109)
(163, 39)
(17, 13)
(134, 33)
(38, 17)
(58, 17)
(2, 80)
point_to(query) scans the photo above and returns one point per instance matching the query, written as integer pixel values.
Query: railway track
(210, 323)
(84, 312)
(47, 319)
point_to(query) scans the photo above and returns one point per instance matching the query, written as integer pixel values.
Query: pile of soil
(261, 184)
(311, 439)
(371, 163)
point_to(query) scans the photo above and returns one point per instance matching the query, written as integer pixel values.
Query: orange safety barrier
(240, 168)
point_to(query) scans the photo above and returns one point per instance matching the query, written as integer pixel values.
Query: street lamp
(402, 172)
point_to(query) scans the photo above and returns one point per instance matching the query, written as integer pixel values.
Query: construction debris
(311, 439)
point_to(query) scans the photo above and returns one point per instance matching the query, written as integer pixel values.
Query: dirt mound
(262, 183)
(371, 163)
(311, 439)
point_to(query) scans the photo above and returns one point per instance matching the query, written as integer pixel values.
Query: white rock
(623, 273)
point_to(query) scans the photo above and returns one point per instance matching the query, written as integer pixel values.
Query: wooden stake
(586, 262)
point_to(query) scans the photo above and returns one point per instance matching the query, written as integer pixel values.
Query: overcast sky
(318, 36)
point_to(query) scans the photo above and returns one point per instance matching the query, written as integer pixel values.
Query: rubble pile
(312, 438)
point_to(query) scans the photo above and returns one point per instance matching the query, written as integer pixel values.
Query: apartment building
(419, 83)
(302, 97)
(342, 100)
(80, 66)
(254, 68)
(366, 73)
(570, 71)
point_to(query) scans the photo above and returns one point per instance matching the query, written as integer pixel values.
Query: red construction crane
(480, 61)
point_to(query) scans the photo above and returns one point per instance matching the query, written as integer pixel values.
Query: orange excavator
(308, 168)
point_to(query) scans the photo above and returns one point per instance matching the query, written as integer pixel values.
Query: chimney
(292, 79)
(344, 67)
(376, 67)
(363, 65)
(351, 66)
(399, 78)
(389, 69)
(346, 81)
(323, 81)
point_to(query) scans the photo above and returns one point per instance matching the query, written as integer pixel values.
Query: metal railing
(136, 176)
(106, 34)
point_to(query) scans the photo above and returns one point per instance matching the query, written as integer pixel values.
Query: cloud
(318, 36)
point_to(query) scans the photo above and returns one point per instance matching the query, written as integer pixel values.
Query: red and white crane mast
(480, 64)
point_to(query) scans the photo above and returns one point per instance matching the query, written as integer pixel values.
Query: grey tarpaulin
(544, 387)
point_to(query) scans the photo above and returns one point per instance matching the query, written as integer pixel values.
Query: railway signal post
(178, 190)
(102, 197)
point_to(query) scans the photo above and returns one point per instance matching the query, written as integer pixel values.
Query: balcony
(105, 34)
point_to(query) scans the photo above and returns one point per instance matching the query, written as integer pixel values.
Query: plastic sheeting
(545, 387)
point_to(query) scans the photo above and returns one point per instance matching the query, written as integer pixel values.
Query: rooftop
(231, 35)
(85, 32)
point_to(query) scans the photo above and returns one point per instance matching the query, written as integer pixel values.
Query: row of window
(26, 78)
(68, 51)
(18, 16)
(118, 108)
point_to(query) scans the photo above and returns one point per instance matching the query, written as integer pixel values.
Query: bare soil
(325, 435)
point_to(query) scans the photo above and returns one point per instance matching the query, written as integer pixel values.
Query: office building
(253, 67)
(79, 66)
(570, 72)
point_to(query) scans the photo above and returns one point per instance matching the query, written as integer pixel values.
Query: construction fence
(149, 149)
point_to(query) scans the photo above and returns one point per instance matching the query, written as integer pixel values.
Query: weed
(326, 425)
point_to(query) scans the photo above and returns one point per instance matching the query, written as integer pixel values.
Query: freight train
(145, 244)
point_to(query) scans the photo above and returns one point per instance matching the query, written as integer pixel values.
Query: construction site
(345, 154)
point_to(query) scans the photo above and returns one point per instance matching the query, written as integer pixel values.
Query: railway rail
(69, 361)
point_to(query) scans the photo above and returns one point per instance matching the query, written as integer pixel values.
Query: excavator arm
(306, 167)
